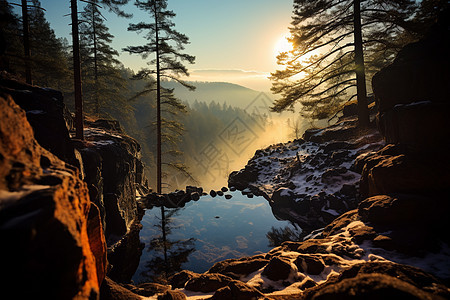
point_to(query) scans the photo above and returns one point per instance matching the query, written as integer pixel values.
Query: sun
(283, 45)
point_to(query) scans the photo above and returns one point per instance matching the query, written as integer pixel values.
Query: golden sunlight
(283, 45)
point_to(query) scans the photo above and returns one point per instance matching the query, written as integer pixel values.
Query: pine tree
(165, 43)
(104, 85)
(49, 65)
(11, 47)
(331, 41)
(113, 5)
(47, 62)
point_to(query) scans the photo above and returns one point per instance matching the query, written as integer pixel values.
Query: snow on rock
(309, 183)
(344, 251)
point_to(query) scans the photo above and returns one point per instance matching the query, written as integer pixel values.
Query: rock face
(112, 165)
(115, 176)
(47, 115)
(108, 160)
(415, 87)
(47, 249)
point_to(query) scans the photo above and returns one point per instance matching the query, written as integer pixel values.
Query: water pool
(203, 232)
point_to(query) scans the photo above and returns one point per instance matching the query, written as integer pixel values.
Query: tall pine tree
(113, 5)
(165, 44)
(103, 84)
(331, 41)
(11, 47)
(49, 65)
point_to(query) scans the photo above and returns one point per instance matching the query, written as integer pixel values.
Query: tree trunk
(77, 72)
(363, 110)
(97, 104)
(26, 41)
(158, 110)
(164, 238)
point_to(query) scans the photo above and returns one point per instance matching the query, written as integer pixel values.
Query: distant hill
(221, 92)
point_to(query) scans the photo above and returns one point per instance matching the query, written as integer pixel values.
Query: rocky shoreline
(311, 181)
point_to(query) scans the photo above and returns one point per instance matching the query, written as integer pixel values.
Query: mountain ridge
(218, 91)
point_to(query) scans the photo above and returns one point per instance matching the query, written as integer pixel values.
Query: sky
(233, 40)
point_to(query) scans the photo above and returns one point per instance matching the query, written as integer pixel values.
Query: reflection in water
(207, 231)
(167, 255)
(277, 236)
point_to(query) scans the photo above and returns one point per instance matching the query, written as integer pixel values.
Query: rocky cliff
(115, 177)
(48, 240)
(69, 212)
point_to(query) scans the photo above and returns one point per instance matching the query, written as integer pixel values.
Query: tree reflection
(168, 255)
(277, 236)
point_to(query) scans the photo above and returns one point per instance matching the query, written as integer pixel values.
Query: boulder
(236, 268)
(207, 283)
(111, 290)
(310, 264)
(408, 274)
(180, 279)
(237, 290)
(172, 295)
(405, 173)
(390, 210)
(368, 286)
(278, 269)
(341, 131)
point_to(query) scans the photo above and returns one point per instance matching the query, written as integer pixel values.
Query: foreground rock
(48, 239)
(108, 162)
(351, 255)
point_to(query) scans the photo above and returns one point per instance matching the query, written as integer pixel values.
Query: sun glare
(283, 45)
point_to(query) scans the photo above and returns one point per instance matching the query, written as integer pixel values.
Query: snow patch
(285, 192)
(103, 142)
(36, 112)
(7, 197)
(417, 103)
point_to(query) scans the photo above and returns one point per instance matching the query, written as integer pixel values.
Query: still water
(204, 232)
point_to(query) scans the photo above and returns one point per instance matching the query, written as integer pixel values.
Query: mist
(236, 142)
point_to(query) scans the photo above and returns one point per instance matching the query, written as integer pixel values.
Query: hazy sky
(237, 37)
